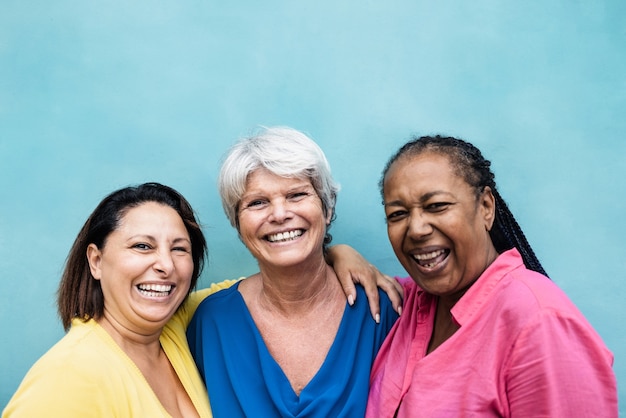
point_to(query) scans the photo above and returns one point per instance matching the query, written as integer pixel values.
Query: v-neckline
(259, 337)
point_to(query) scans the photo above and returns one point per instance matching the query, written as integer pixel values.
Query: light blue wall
(96, 95)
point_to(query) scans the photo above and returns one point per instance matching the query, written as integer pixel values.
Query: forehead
(149, 215)
(262, 179)
(425, 164)
(422, 172)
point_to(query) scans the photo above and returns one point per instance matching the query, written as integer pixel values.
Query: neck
(131, 341)
(448, 301)
(297, 291)
(444, 326)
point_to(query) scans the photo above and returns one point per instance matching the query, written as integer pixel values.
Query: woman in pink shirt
(483, 332)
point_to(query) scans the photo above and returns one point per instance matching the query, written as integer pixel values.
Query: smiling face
(281, 219)
(437, 225)
(145, 268)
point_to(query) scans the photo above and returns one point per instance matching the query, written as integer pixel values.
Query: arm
(352, 268)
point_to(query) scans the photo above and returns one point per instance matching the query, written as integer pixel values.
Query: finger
(371, 290)
(394, 291)
(348, 286)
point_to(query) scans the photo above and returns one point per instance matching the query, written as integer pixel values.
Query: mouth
(155, 290)
(431, 259)
(285, 236)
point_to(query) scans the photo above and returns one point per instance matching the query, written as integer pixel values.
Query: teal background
(97, 95)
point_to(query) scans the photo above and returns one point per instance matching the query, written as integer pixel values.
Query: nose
(419, 226)
(164, 263)
(279, 211)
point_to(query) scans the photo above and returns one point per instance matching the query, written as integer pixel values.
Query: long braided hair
(469, 164)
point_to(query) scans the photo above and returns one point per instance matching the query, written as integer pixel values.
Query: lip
(156, 290)
(285, 235)
(430, 259)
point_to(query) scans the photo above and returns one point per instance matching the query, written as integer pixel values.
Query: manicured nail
(350, 300)
(377, 318)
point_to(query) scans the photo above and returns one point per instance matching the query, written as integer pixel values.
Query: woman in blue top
(284, 342)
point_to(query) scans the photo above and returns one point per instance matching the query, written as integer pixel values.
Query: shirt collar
(480, 292)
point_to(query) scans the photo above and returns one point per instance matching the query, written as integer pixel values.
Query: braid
(469, 164)
(506, 234)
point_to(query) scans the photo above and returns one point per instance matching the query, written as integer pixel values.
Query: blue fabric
(244, 380)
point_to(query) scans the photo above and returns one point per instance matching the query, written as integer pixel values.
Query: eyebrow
(295, 188)
(152, 238)
(422, 199)
(301, 187)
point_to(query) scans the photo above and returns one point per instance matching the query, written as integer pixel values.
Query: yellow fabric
(86, 374)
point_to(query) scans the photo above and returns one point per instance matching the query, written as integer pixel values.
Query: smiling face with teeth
(438, 225)
(281, 219)
(144, 267)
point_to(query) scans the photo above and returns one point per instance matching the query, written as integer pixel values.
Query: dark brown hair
(469, 164)
(79, 294)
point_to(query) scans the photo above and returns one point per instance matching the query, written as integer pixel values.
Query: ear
(329, 216)
(487, 205)
(94, 257)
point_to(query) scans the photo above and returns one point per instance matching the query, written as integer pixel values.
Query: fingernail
(350, 300)
(377, 318)
(399, 310)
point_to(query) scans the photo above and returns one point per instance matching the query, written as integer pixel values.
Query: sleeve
(559, 366)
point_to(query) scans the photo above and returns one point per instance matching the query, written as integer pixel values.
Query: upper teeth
(155, 287)
(428, 256)
(281, 236)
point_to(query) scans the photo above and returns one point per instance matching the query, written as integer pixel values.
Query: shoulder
(86, 349)
(199, 295)
(221, 302)
(182, 317)
(508, 283)
(538, 309)
(388, 315)
(408, 284)
(530, 290)
(385, 302)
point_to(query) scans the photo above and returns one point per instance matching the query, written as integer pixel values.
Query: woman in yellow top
(121, 296)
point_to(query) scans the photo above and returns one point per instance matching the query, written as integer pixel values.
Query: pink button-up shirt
(522, 350)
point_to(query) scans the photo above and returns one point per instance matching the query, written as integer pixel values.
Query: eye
(182, 248)
(396, 215)
(141, 246)
(437, 206)
(255, 203)
(298, 195)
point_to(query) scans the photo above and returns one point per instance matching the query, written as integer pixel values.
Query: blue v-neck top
(244, 380)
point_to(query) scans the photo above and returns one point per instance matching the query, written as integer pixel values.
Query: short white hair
(284, 152)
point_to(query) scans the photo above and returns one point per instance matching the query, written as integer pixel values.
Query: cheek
(120, 268)
(246, 237)
(185, 268)
(394, 232)
(247, 223)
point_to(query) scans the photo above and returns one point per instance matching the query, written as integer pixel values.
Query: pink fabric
(523, 350)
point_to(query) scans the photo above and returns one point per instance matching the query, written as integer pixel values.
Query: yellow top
(86, 374)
